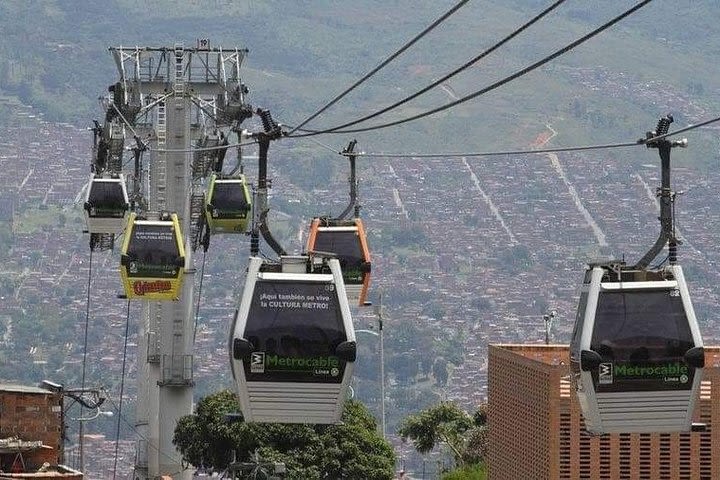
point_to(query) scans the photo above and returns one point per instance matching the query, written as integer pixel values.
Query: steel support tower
(173, 100)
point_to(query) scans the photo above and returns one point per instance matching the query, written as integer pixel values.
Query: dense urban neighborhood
(466, 251)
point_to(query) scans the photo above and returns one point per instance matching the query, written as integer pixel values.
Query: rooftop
(559, 354)
(13, 387)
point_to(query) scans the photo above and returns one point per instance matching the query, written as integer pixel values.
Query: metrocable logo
(673, 369)
(605, 373)
(293, 363)
(141, 287)
(257, 362)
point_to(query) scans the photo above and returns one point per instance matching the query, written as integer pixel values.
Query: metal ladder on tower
(179, 84)
(160, 167)
(197, 215)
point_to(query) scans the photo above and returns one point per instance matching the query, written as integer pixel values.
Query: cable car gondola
(106, 204)
(152, 264)
(228, 204)
(636, 352)
(292, 343)
(345, 239)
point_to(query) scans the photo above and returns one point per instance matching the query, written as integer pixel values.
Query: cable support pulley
(353, 205)
(495, 85)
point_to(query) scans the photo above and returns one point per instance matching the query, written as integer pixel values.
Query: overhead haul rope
(87, 325)
(197, 307)
(122, 389)
(497, 84)
(636, 143)
(382, 64)
(497, 153)
(135, 430)
(203, 149)
(448, 76)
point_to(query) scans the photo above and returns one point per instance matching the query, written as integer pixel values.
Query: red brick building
(537, 431)
(31, 433)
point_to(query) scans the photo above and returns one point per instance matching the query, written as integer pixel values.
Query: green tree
(445, 422)
(440, 371)
(352, 450)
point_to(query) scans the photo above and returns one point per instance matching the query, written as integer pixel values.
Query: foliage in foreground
(353, 450)
(465, 435)
(472, 472)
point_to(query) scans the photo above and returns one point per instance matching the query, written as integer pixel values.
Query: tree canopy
(465, 435)
(352, 450)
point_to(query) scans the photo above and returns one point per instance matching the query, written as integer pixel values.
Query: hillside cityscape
(467, 251)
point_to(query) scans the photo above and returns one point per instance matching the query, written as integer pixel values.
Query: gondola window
(153, 252)
(295, 329)
(642, 337)
(107, 200)
(348, 249)
(229, 200)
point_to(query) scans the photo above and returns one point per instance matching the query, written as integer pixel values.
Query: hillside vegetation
(53, 55)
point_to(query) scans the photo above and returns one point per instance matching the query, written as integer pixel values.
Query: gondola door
(292, 346)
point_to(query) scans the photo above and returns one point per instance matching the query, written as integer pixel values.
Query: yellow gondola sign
(152, 264)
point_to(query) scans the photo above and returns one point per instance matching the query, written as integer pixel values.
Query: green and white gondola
(292, 344)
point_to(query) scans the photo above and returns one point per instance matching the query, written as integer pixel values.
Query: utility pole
(549, 319)
(88, 398)
(379, 312)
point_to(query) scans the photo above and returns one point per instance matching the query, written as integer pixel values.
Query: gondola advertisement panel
(295, 329)
(153, 259)
(154, 252)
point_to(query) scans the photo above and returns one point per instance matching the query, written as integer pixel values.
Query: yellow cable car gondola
(228, 204)
(152, 264)
(345, 239)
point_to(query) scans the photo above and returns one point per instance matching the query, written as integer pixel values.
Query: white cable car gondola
(636, 352)
(152, 264)
(106, 204)
(228, 204)
(292, 343)
(347, 240)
